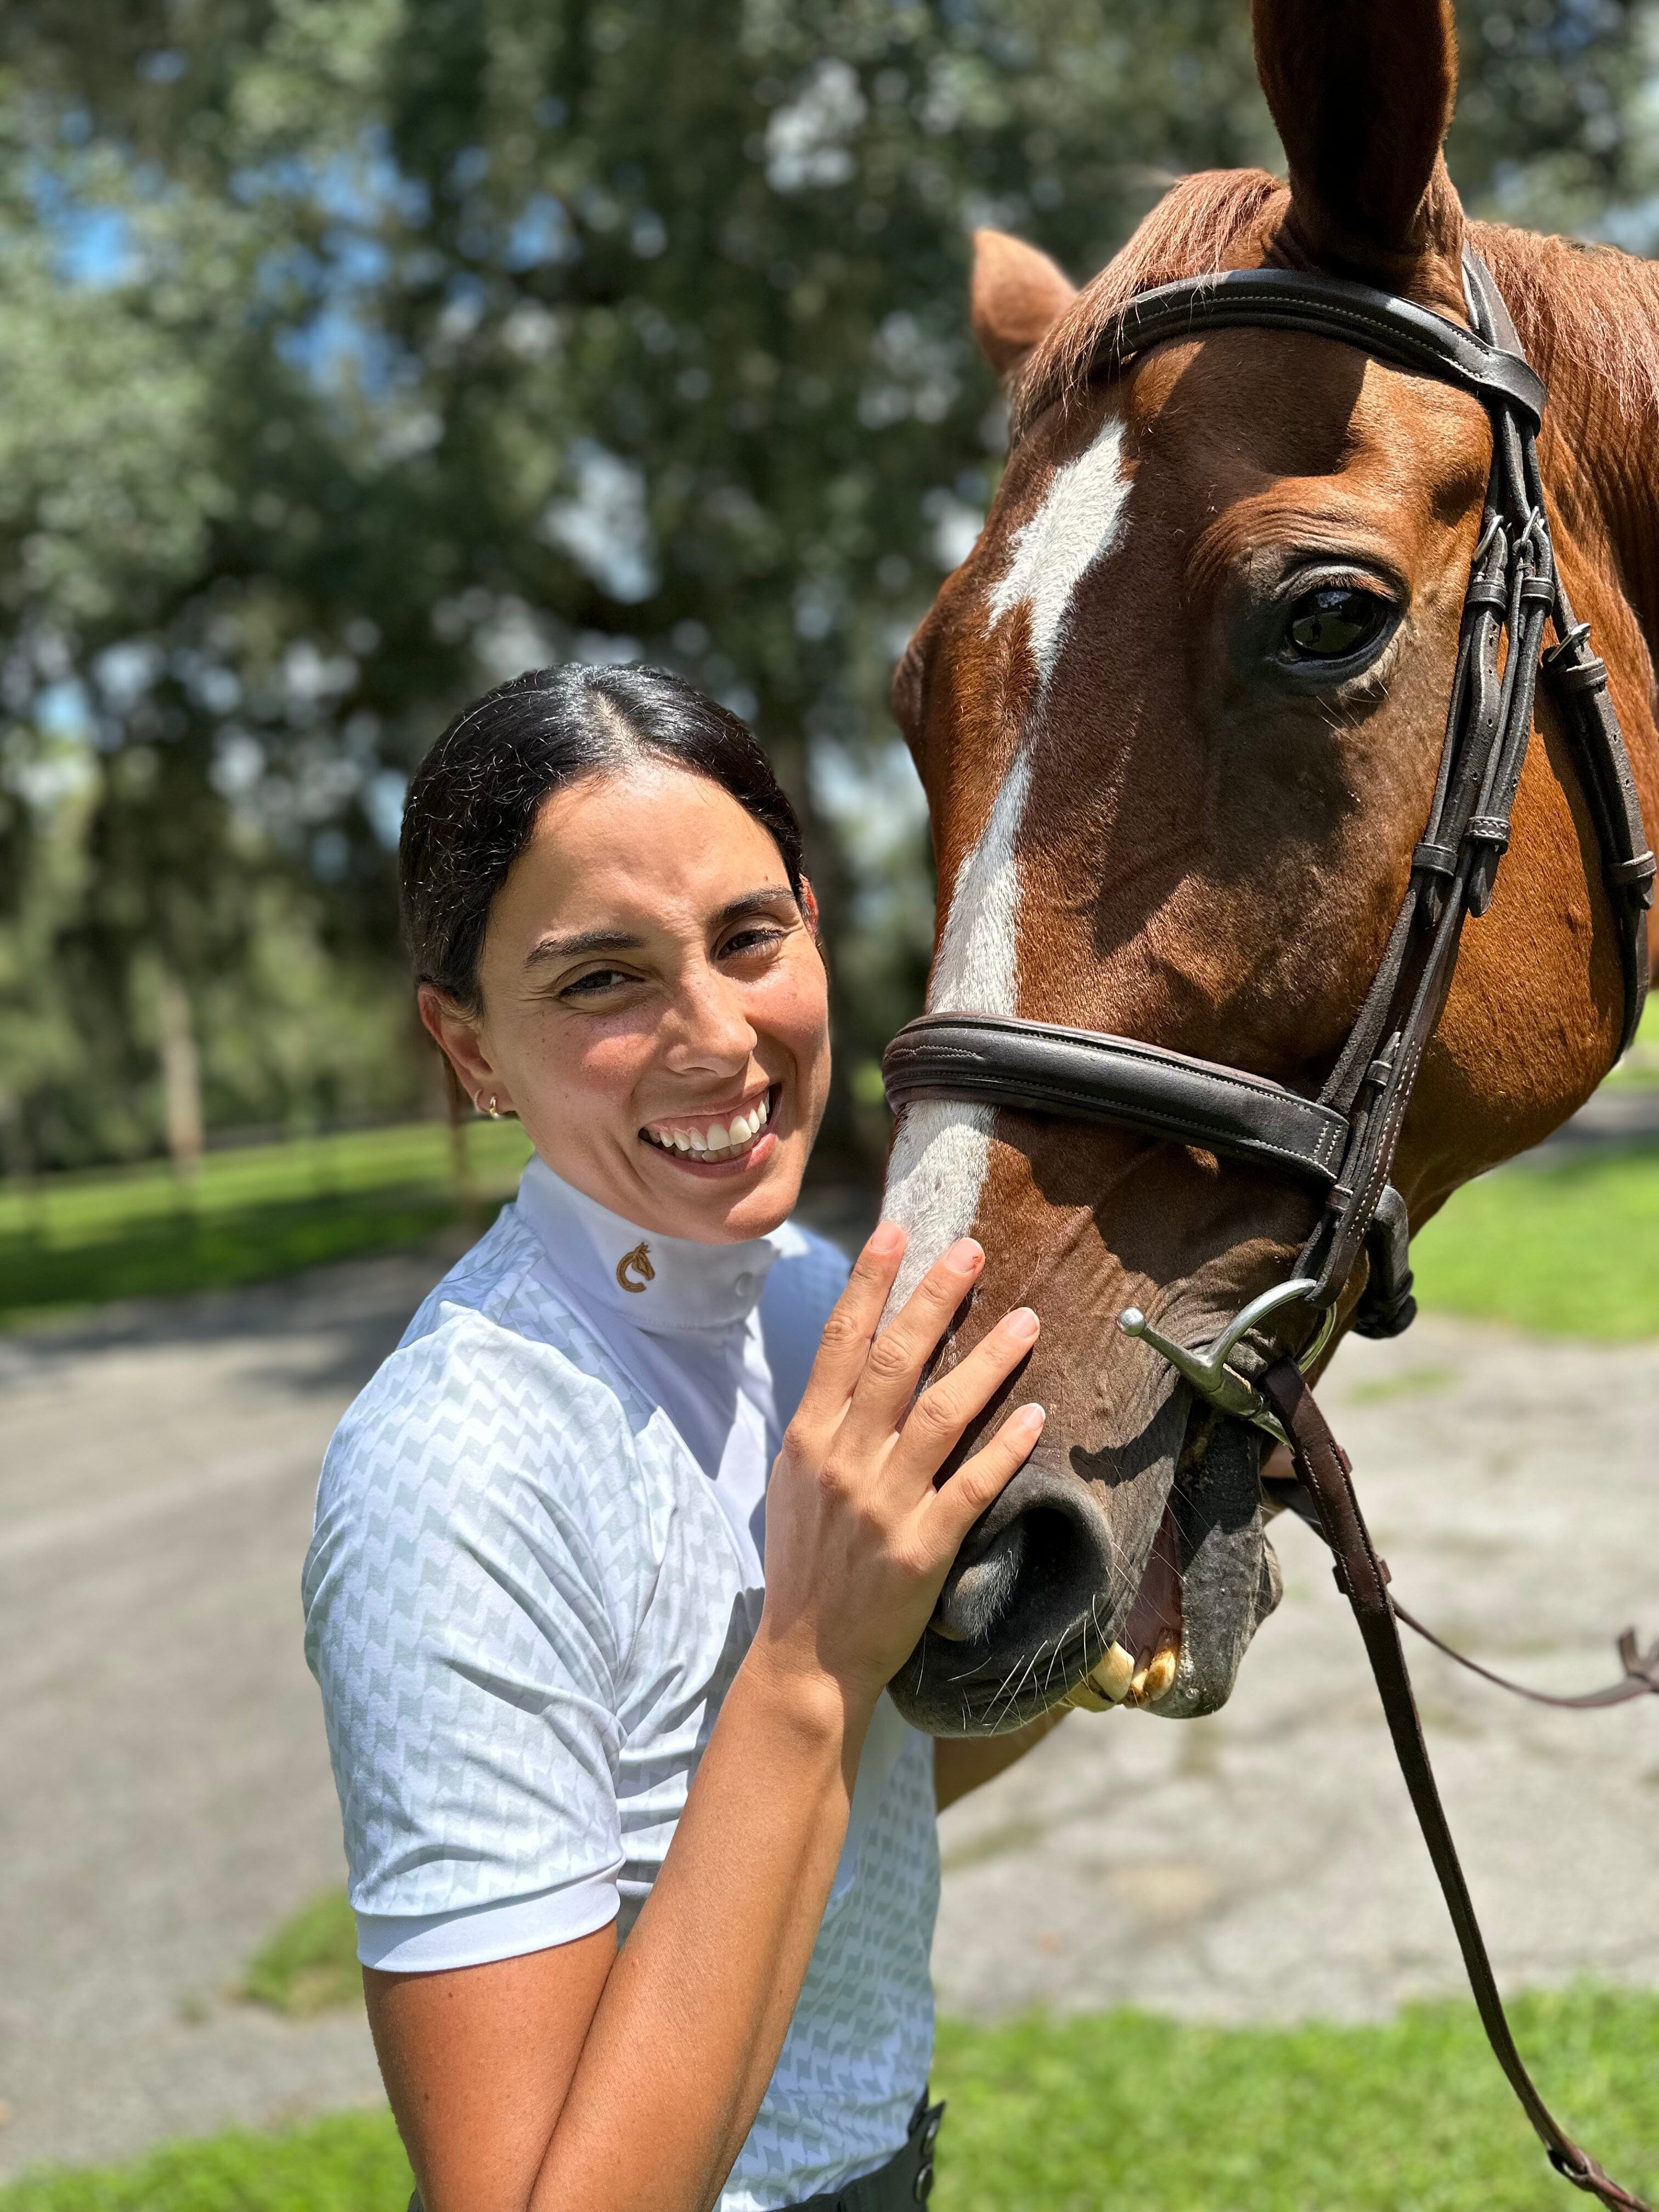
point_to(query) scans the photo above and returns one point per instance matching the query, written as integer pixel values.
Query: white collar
(657, 1282)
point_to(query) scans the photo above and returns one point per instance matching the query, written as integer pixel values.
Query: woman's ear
(456, 1034)
(809, 907)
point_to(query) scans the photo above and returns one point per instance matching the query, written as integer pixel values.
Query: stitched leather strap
(1394, 330)
(1323, 1469)
(1087, 1075)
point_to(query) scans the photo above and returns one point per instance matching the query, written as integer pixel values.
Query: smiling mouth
(715, 1139)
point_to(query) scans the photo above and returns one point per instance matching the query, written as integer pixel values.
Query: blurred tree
(360, 354)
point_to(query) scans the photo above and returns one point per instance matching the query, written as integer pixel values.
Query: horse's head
(1179, 717)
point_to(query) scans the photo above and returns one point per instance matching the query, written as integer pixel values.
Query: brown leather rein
(1324, 1473)
(1343, 1143)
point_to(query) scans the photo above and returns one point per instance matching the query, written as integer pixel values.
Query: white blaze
(942, 1148)
(1079, 522)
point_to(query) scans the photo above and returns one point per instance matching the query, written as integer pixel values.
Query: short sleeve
(470, 1593)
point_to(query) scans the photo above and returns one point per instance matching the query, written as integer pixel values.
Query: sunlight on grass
(251, 1213)
(310, 1965)
(1128, 2111)
(1119, 2112)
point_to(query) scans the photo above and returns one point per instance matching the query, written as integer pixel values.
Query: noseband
(1341, 1144)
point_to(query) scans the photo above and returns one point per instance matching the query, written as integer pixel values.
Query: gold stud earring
(494, 1115)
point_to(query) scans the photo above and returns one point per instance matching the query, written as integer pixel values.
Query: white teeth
(734, 1135)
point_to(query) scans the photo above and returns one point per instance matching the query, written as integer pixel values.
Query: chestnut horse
(1179, 717)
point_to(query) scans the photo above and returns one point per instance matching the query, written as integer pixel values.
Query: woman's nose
(714, 1028)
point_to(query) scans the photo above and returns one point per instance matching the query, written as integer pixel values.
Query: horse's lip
(980, 1684)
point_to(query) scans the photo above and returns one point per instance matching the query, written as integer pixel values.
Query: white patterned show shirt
(535, 1568)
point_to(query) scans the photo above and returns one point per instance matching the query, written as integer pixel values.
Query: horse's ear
(1017, 294)
(1362, 93)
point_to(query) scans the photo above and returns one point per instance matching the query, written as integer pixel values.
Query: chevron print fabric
(525, 1600)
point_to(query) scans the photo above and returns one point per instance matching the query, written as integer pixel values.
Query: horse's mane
(1588, 315)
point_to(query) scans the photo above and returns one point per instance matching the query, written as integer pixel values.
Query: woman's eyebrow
(589, 940)
(767, 896)
(622, 940)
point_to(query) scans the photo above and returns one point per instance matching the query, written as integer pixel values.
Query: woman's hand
(858, 1539)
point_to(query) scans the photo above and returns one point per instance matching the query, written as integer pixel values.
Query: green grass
(1569, 1250)
(250, 1214)
(1127, 2113)
(1121, 2112)
(310, 1964)
(349, 2162)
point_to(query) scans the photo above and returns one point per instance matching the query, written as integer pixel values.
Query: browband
(1394, 329)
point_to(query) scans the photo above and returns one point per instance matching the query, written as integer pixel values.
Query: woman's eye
(751, 940)
(593, 985)
(1334, 622)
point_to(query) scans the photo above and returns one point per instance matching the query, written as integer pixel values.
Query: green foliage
(1570, 1250)
(310, 1965)
(1095, 2112)
(360, 354)
(251, 1212)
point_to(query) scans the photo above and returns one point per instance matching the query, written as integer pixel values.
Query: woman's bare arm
(581, 2076)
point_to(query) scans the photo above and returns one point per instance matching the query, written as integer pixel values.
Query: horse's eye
(1334, 622)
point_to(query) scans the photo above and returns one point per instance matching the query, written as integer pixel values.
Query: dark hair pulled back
(475, 797)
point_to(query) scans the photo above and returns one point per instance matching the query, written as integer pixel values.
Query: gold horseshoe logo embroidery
(637, 1263)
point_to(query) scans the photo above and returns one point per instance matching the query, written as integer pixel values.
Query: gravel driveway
(166, 1797)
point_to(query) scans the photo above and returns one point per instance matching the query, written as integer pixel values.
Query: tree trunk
(181, 1076)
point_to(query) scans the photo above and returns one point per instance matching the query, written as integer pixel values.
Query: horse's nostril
(1039, 1557)
(976, 1595)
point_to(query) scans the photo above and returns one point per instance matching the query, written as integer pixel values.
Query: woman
(565, 1705)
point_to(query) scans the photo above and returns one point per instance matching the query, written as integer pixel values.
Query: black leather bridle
(1342, 1144)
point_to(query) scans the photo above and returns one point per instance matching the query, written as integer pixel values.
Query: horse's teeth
(1156, 1677)
(1113, 1676)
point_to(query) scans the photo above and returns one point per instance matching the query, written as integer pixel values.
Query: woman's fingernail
(1031, 1418)
(887, 1238)
(963, 1254)
(1022, 1323)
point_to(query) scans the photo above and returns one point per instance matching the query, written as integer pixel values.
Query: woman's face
(654, 1007)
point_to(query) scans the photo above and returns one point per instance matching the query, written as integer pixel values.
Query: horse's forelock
(1193, 231)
